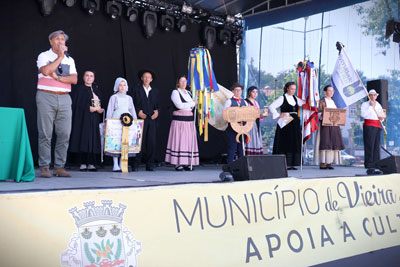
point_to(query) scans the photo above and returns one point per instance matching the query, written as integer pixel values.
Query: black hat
(141, 72)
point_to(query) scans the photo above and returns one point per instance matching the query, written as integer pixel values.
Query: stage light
(149, 23)
(393, 27)
(113, 9)
(91, 6)
(167, 22)
(224, 36)
(69, 3)
(230, 19)
(209, 36)
(187, 9)
(182, 25)
(132, 14)
(47, 6)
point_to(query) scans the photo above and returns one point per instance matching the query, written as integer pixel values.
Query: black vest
(286, 107)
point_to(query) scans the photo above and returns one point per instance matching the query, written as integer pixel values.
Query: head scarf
(117, 82)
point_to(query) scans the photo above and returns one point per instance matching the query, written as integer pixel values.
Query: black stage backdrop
(112, 48)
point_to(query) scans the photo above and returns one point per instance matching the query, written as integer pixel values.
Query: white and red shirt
(66, 68)
(369, 114)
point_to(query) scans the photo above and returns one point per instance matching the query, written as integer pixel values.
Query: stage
(165, 175)
(314, 217)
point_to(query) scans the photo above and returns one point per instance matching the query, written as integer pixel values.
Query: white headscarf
(118, 81)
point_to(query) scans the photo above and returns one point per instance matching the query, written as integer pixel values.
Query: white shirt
(367, 111)
(330, 103)
(279, 102)
(228, 103)
(49, 83)
(175, 97)
(147, 90)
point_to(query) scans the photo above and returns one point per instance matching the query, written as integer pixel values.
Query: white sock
(116, 166)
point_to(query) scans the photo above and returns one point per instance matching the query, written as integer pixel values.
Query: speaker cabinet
(381, 87)
(257, 167)
(389, 165)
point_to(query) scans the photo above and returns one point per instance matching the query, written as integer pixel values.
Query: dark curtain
(113, 48)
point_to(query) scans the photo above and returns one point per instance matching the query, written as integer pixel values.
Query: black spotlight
(132, 14)
(47, 6)
(149, 23)
(182, 25)
(113, 9)
(91, 6)
(69, 3)
(167, 22)
(224, 36)
(209, 36)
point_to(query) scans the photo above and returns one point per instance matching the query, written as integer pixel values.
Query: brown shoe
(329, 166)
(45, 172)
(322, 166)
(61, 172)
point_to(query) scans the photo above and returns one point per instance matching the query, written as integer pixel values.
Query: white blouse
(279, 102)
(330, 103)
(175, 97)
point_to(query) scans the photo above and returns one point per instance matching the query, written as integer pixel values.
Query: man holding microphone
(57, 72)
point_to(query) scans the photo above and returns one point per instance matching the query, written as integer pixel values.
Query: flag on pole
(346, 82)
(309, 93)
(203, 83)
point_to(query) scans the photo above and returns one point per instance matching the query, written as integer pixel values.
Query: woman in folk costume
(236, 101)
(85, 134)
(118, 104)
(255, 146)
(329, 140)
(181, 142)
(287, 138)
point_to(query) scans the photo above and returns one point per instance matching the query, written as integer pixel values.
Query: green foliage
(119, 249)
(392, 122)
(88, 254)
(374, 20)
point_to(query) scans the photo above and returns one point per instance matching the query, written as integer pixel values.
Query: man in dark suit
(146, 100)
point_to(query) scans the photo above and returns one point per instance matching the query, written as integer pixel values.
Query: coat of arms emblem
(101, 240)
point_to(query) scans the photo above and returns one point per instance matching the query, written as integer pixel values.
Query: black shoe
(150, 169)
(294, 168)
(377, 171)
(134, 168)
(187, 168)
(179, 168)
(370, 171)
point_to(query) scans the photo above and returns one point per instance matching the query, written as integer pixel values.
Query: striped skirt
(254, 147)
(180, 140)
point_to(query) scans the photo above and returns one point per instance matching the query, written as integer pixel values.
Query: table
(16, 161)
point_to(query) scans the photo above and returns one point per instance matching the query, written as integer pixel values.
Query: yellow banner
(280, 222)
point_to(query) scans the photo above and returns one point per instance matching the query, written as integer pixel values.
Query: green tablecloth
(16, 161)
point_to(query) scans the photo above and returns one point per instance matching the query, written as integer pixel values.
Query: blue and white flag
(348, 86)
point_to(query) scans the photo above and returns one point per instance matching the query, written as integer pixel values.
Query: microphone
(66, 54)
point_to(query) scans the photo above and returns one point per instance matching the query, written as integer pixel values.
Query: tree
(374, 20)
(393, 127)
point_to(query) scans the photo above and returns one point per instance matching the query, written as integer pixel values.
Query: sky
(281, 49)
